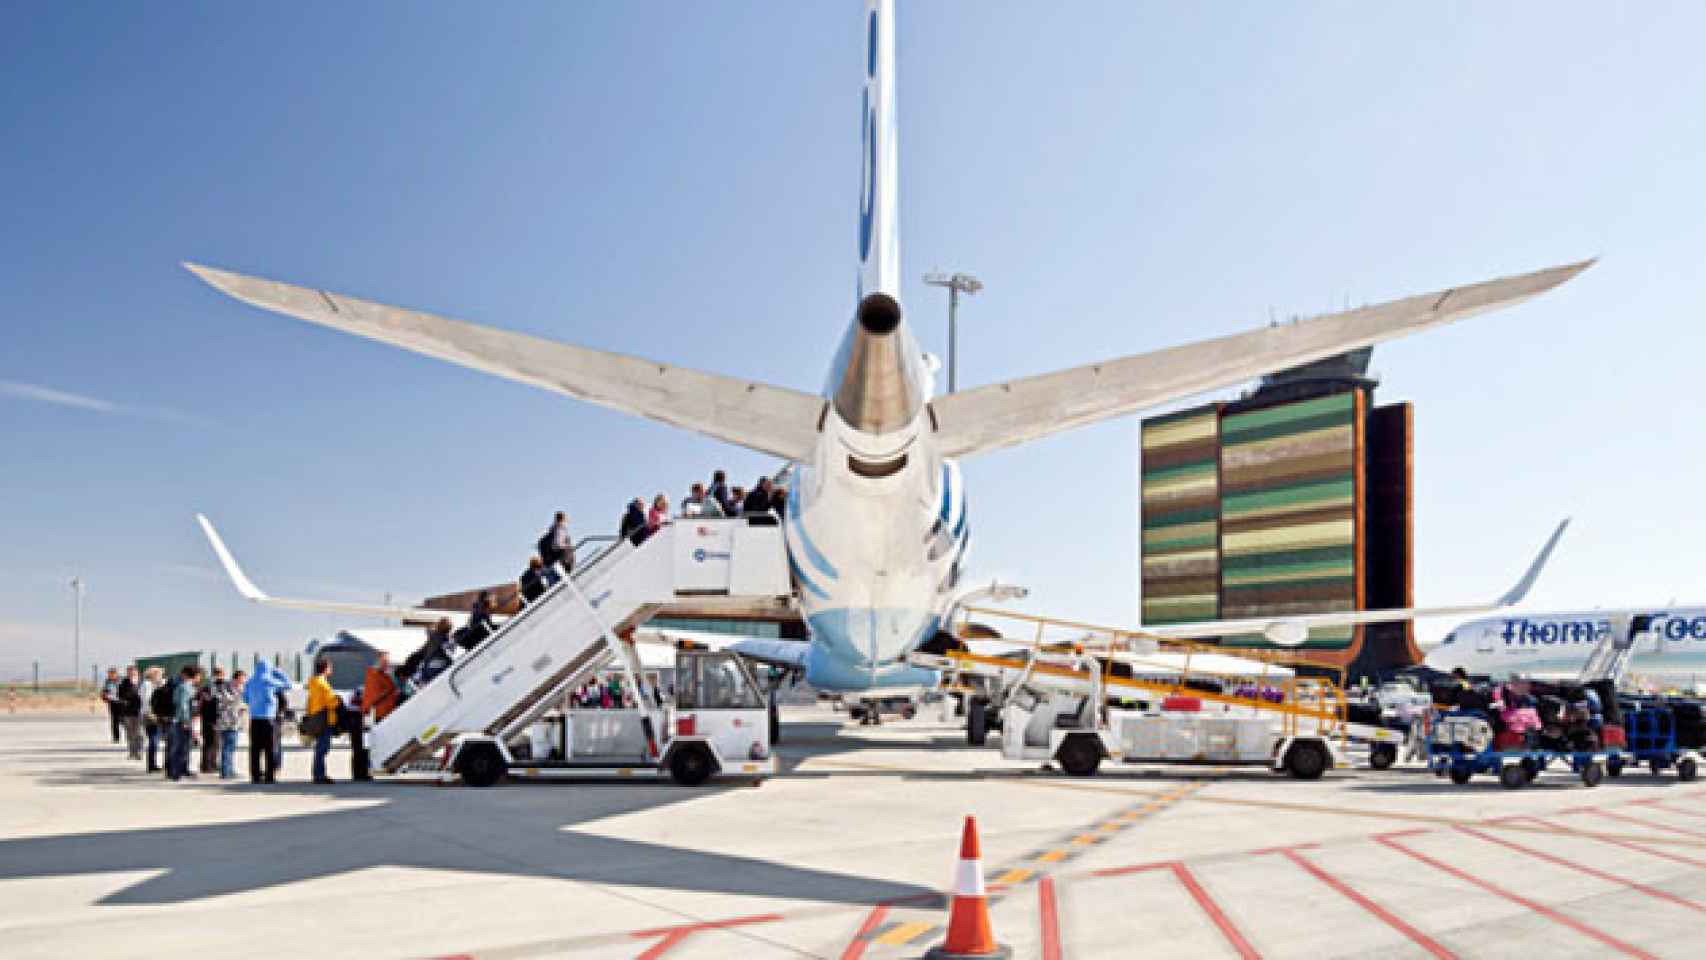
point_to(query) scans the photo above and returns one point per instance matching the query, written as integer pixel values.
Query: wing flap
(1004, 414)
(772, 420)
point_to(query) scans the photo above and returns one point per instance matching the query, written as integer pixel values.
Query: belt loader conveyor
(1061, 718)
(525, 669)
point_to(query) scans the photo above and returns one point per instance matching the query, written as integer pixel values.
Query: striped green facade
(1254, 513)
(1181, 517)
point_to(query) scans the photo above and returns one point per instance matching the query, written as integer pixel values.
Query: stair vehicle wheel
(1461, 775)
(1307, 760)
(691, 765)
(1079, 755)
(1513, 777)
(1687, 769)
(977, 722)
(1614, 765)
(481, 765)
(1382, 756)
(1592, 774)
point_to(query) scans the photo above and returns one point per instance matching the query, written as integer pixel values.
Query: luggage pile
(1516, 730)
(1664, 735)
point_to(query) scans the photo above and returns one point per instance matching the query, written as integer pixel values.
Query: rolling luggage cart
(1652, 736)
(1462, 746)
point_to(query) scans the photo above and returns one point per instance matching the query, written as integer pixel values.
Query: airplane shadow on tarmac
(526, 830)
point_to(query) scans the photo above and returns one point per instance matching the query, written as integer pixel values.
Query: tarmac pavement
(844, 855)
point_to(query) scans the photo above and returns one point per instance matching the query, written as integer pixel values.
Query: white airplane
(877, 528)
(1557, 645)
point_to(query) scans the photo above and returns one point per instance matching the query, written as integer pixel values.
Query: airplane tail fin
(879, 235)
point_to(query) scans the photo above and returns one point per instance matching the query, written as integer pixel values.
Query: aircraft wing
(773, 420)
(789, 654)
(254, 594)
(1293, 630)
(1004, 414)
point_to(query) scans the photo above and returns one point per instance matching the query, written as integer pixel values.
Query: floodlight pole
(957, 284)
(77, 633)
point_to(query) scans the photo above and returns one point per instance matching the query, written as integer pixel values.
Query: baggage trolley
(1651, 732)
(1462, 746)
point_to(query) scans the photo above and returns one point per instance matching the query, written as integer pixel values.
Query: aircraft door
(1485, 637)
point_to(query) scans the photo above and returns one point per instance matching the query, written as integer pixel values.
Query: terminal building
(1294, 499)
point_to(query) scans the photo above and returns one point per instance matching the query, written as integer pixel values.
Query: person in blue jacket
(261, 694)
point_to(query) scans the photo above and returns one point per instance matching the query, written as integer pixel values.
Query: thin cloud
(84, 402)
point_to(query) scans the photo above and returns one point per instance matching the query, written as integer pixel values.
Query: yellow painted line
(1085, 839)
(1113, 826)
(903, 934)
(1015, 875)
(1053, 856)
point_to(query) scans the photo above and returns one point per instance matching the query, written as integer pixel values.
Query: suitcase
(1509, 740)
(1182, 704)
(1690, 726)
(1612, 735)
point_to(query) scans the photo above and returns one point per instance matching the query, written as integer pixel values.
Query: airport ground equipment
(715, 724)
(1651, 733)
(692, 567)
(1055, 709)
(1610, 658)
(1462, 745)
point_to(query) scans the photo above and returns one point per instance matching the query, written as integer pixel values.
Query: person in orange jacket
(379, 696)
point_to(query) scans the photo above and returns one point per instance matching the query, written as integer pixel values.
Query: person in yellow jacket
(322, 702)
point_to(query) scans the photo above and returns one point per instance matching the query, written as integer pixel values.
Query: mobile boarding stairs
(502, 708)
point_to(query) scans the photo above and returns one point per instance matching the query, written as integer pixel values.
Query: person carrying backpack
(320, 717)
(207, 711)
(555, 547)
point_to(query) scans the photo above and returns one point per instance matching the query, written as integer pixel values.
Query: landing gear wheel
(481, 765)
(1079, 756)
(1614, 765)
(1513, 777)
(1307, 760)
(1592, 774)
(1687, 769)
(691, 765)
(977, 722)
(856, 713)
(1382, 756)
(908, 712)
(1461, 775)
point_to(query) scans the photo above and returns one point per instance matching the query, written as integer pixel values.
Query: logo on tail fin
(868, 149)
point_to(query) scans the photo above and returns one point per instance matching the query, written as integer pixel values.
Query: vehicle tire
(775, 719)
(1687, 769)
(481, 765)
(1592, 774)
(1307, 760)
(1513, 777)
(1382, 756)
(1531, 768)
(1461, 775)
(691, 765)
(1079, 755)
(977, 722)
(1614, 765)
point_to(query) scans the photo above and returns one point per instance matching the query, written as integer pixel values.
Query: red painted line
(1386, 916)
(873, 920)
(1051, 918)
(1214, 912)
(1590, 871)
(674, 935)
(1539, 908)
(1638, 821)
(1661, 805)
(1626, 844)
(1134, 868)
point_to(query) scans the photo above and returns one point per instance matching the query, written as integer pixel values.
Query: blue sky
(680, 181)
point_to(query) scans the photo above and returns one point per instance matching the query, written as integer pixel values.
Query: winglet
(1516, 594)
(244, 585)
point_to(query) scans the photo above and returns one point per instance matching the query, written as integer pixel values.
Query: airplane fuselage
(1559, 643)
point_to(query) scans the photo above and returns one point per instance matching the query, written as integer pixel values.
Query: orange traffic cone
(968, 912)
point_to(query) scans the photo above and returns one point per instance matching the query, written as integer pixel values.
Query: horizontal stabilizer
(1004, 414)
(1291, 631)
(773, 420)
